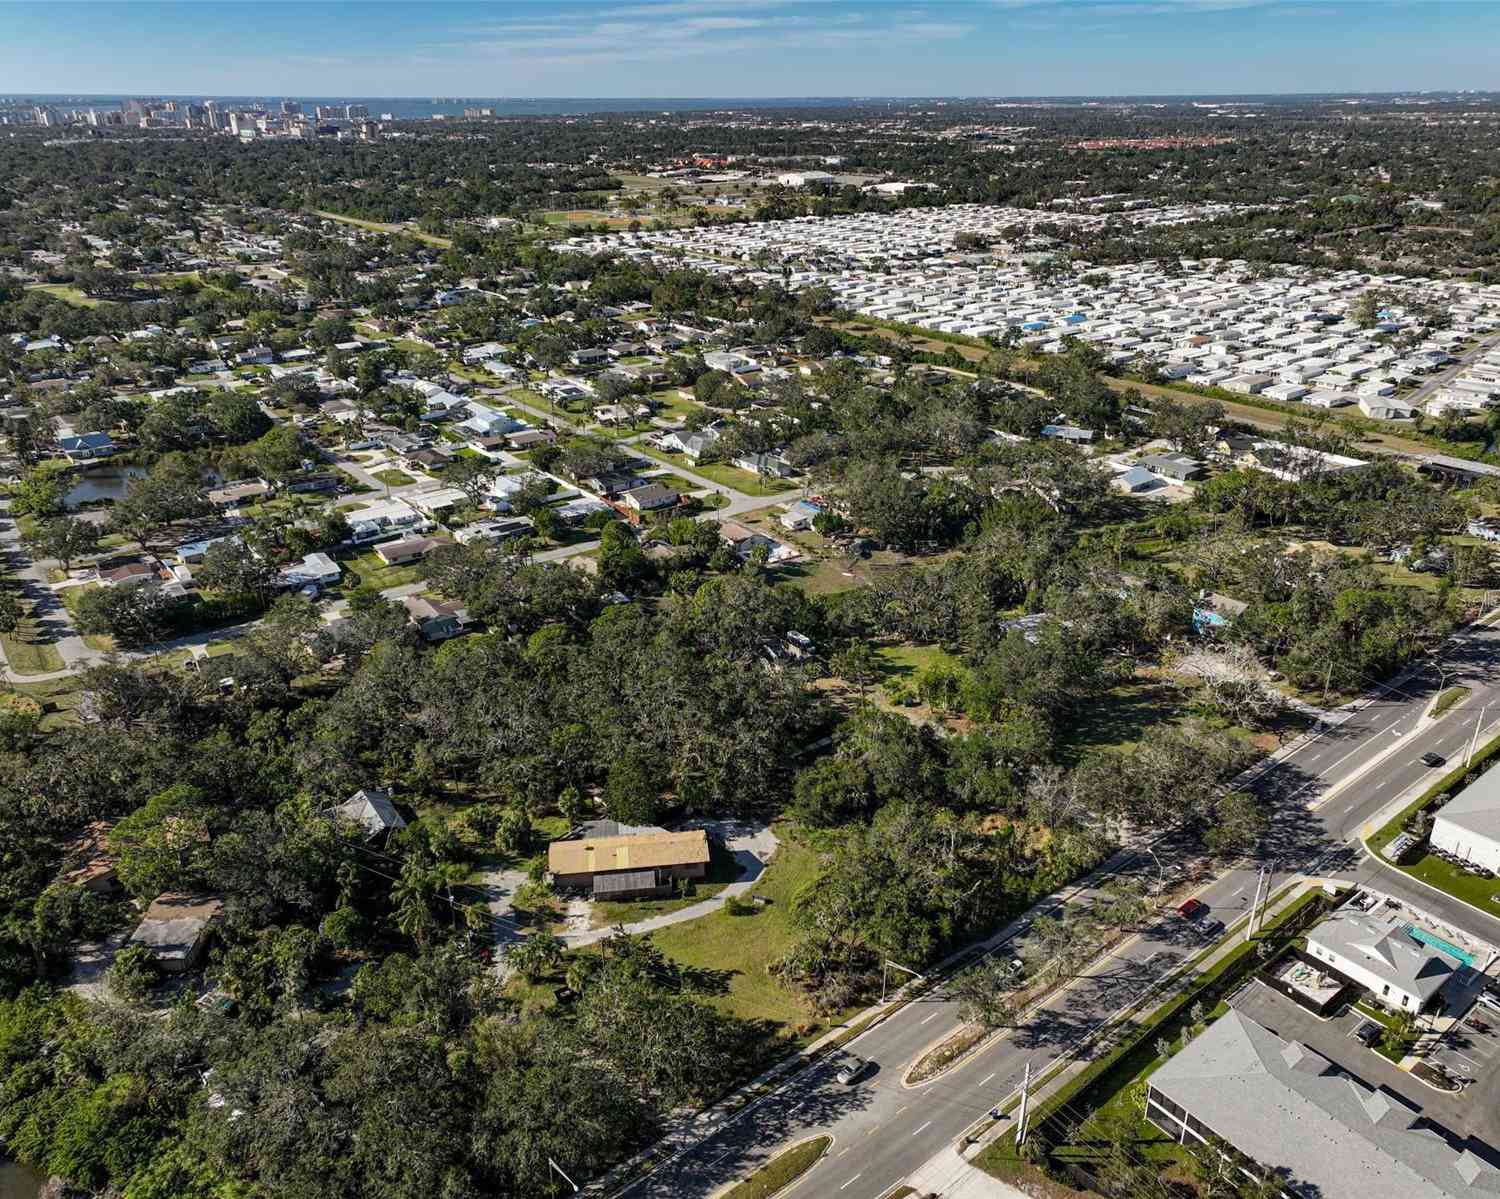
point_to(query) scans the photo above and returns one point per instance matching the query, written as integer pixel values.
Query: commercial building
(1381, 951)
(1301, 1118)
(1469, 824)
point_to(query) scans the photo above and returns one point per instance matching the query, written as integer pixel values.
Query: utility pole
(1025, 1112)
(1255, 904)
(1474, 740)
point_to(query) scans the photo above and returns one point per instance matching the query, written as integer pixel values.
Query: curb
(781, 1151)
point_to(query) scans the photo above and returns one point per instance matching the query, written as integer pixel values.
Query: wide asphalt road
(1322, 793)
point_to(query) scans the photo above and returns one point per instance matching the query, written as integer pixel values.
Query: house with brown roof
(408, 549)
(87, 862)
(634, 866)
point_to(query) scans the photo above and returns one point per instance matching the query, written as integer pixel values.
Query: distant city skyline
(751, 49)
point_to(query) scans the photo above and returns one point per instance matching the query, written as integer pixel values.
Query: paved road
(1430, 387)
(1323, 791)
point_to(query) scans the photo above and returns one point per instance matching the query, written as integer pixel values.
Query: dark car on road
(1367, 1034)
(1432, 759)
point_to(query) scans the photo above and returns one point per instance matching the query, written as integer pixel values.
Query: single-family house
(238, 494)
(1178, 467)
(87, 862)
(632, 866)
(436, 621)
(86, 447)
(175, 929)
(372, 811)
(769, 466)
(313, 570)
(800, 514)
(651, 498)
(407, 550)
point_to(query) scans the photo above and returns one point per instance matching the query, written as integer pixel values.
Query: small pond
(100, 483)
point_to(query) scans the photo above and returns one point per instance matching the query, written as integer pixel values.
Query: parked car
(1368, 1034)
(1192, 909)
(1432, 759)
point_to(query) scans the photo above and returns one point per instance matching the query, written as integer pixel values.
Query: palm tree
(413, 897)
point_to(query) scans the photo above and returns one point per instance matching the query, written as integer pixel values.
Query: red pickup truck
(1192, 909)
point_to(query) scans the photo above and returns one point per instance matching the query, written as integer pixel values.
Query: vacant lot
(372, 572)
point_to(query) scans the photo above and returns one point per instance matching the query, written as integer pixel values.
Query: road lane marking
(925, 1126)
(982, 1081)
(933, 1017)
(841, 1153)
(901, 1109)
(853, 1180)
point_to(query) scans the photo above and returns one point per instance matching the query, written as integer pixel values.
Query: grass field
(781, 1171)
(392, 477)
(372, 572)
(58, 697)
(377, 227)
(28, 656)
(67, 293)
(742, 946)
(1450, 697)
(725, 476)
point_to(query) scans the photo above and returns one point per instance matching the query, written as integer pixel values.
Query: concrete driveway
(752, 845)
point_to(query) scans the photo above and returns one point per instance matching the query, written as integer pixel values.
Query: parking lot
(1471, 1048)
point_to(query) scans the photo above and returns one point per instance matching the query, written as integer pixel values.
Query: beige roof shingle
(640, 852)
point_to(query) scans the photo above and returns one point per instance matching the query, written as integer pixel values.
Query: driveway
(752, 846)
(497, 887)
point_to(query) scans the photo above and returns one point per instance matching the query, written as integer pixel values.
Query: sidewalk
(951, 1177)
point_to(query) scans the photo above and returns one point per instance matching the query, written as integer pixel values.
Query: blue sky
(747, 48)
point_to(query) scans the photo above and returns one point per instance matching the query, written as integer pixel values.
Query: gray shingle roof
(1292, 1109)
(1384, 949)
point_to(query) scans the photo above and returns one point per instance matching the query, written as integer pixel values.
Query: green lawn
(742, 946)
(907, 661)
(392, 477)
(1120, 717)
(58, 697)
(1448, 698)
(372, 572)
(28, 656)
(725, 476)
(781, 1171)
(67, 293)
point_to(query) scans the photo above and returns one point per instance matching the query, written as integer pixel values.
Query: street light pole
(565, 1178)
(885, 962)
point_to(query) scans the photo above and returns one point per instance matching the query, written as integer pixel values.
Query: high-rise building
(356, 112)
(290, 108)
